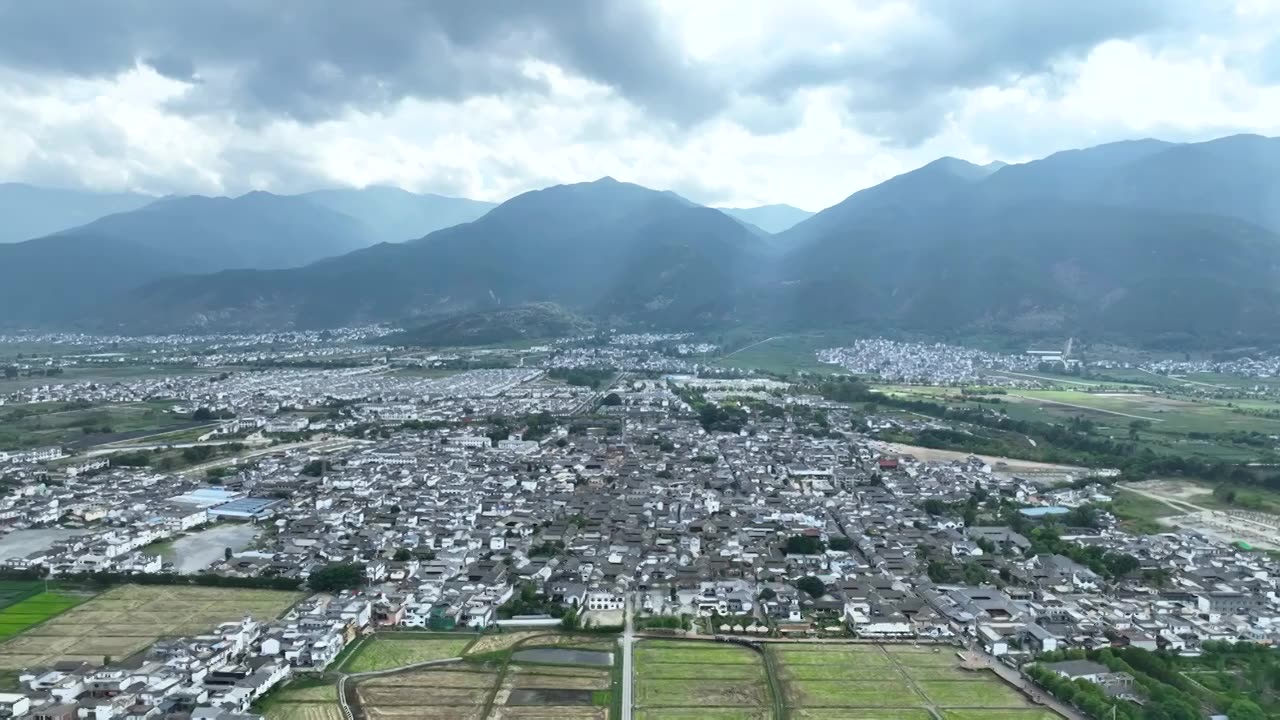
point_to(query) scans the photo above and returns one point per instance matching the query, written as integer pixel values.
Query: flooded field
(195, 552)
(558, 656)
(21, 543)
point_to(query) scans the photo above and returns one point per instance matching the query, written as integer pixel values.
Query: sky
(728, 102)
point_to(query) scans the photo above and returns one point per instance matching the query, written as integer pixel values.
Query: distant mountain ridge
(1159, 243)
(28, 211)
(614, 250)
(770, 218)
(394, 215)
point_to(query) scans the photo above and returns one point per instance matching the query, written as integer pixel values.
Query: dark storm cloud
(310, 59)
(898, 84)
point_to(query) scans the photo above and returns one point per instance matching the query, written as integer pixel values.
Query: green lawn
(385, 653)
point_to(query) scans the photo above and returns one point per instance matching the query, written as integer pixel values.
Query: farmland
(1168, 421)
(393, 650)
(686, 679)
(72, 424)
(491, 683)
(892, 681)
(127, 619)
(303, 699)
(33, 609)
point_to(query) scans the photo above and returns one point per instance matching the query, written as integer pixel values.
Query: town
(591, 488)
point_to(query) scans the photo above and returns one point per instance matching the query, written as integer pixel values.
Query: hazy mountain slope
(77, 268)
(31, 212)
(495, 325)
(602, 247)
(770, 218)
(395, 215)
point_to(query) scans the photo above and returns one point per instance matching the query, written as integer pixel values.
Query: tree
(202, 414)
(811, 585)
(767, 594)
(316, 468)
(841, 543)
(1245, 710)
(570, 620)
(802, 545)
(934, 506)
(227, 554)
(336, 577)
(10, 372)
(402, 555)
(612, 400)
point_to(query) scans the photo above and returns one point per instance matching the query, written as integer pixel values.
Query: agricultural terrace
(711, 681)
(893, 681)
(127, 619)
(387, 651)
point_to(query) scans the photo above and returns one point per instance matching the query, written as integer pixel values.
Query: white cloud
(829, 132)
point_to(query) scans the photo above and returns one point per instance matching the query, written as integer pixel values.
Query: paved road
(628, 639)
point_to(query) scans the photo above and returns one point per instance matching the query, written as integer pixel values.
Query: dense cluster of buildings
(927, 363)
(776, 529)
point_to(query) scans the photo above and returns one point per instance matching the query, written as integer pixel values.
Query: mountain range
(770, 218)
(1155, 242)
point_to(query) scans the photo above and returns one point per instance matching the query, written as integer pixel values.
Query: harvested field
(124, 620)
(432, 678)
(415, 696)
(702, 713)
(864, 714)
(526, 681)
(303, 711)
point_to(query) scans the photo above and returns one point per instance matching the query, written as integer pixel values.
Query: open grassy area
(1139, 513)
(786, 354)
(384, 652)
(129, 618)
(25, 426)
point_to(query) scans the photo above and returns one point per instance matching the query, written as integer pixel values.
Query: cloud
(905, 66)
(312, 60)
(735, 102)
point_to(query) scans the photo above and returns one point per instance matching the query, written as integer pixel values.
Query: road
(1017, 679)
(628, 639)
